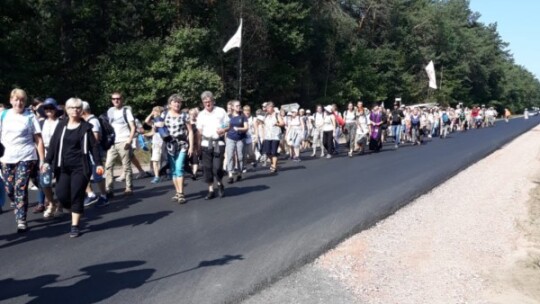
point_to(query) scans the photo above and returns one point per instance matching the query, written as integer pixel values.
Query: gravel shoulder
(473, 239)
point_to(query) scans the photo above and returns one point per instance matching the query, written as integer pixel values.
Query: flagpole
(240, 72)
(240, 57)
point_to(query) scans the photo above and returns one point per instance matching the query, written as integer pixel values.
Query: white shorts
(156, 152)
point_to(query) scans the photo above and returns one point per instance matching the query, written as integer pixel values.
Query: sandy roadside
(473, 239)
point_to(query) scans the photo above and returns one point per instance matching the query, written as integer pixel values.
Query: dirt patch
(474, 239)
(519, 281)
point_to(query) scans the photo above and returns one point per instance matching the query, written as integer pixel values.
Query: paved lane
(149, 250)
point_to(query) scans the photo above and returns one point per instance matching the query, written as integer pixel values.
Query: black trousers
(71, 188)
(328, 141)
(212, 162)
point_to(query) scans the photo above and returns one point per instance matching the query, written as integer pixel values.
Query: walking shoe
(128, 192)
(322, 155)
(49, 213)
(74, 232)
(39, 208)
(175, 197)
(238, 177)
(210, 195)
(110, 194)
(230, 180)
(21, 226)
(194, 176)
(328, 156)
(350, 153)
(90, 200)
(181, 198)
(102, 202)
(141, 175)
(121, 178)
(221, 190)
(155, 180)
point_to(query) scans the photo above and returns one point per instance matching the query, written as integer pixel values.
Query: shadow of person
(15, 288)
(59, 228)
(136, 220)
(225, 260)
(102, 282)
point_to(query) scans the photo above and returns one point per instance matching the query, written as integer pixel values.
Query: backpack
(445, 118)
(462, 116)
(108, 136)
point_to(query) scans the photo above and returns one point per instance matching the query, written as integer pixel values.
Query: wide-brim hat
(49, 103)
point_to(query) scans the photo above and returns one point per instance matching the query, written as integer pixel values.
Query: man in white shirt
(121, 119)
(212, 123)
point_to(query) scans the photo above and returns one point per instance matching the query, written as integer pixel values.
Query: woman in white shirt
(350, 125)
(50, 111)
(295, 134)
(21, 137)
(329, 129)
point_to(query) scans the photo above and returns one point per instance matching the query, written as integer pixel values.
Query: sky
(518, 23)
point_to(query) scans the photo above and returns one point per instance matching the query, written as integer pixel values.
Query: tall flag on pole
(235, 41)
(430, 70)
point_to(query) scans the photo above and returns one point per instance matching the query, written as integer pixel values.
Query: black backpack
(107, 132)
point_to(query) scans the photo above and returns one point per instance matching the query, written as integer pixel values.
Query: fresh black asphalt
(146, 249)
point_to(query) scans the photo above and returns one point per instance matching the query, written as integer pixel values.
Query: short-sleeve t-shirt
(119, 124)
(236, 121)
(209, 122)
(47, 131)
(18, 130)
(96, 126)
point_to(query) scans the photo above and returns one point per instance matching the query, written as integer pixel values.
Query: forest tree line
(305, 51)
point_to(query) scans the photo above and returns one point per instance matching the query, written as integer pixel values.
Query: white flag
(235, 41)
(430, 70)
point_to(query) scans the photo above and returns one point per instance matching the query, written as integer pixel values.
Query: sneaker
(140, 175)
(90, 200)
(34, 188)
(121, 178)
(350, 153)
(39, 208)
(396, 146)
(128, 192)
(102, 202)
(21, 226)
(155, 180)
(238, 177)
(328, 156)
(313, 154)
(210, 195)
(230, 180)
(74, 232)
(322, 155)
(221, 190)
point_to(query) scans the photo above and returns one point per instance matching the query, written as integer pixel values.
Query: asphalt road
(146, 249)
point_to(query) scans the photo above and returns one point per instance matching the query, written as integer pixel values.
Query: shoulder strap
(124, 113)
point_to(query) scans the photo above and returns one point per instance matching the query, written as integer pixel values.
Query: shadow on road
(98, 283)
(57, 228)
(225, 260)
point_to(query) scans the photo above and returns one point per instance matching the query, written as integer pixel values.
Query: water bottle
(163, 131)
(45, 178)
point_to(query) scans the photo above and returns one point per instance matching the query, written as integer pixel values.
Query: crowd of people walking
(75, 152)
